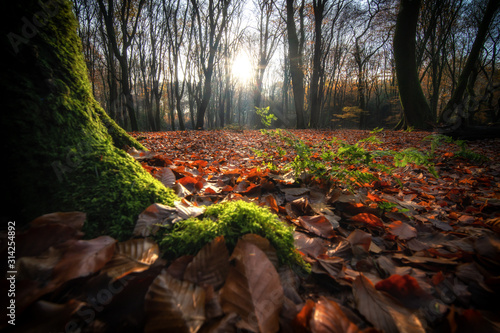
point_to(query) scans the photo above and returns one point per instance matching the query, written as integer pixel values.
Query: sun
(242, 68)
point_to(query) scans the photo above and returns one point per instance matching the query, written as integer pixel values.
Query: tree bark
(64, 150)
(416, 110)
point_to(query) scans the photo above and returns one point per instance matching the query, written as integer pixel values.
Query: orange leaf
(404, 288)
(368, 218)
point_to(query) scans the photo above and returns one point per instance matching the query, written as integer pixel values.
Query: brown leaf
(334, 266)
(311, 246)
(38, 268)
(71, 219)
(226, 324)
(210, 265)
(402, 230)
(253, 289)
(263, 244)
(84, 257)
(318, 225)
(148, 221)
(385, 314)
(174, 306)
(49, 230)
(177, 268)
(328, 317)
(185, 209)
(360, 241)
(270, 201)
(134, 255)
(166, 176)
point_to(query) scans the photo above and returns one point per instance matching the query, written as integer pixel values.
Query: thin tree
(455, 104)
(211, 21)
(269, 33)
(295, 52)
(322, 46)
(121, 42)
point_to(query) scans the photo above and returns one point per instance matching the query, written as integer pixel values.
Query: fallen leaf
(384, 313)
(173, 305)
(328, 316)
(156, 214)
(318, 225)
(210, 265)
(405, 289)
(166, 176)
(185, 209)
(311, 246)
(84, 257)
(369, 219)
(402, 230)
(253, 289)
(360, 242)
(134, 255)
(49, 230)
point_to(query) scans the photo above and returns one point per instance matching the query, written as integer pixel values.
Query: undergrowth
(337, 162)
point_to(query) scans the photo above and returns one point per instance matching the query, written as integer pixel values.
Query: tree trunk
(316, 93)
(296, 64)
(64, 150)
(455, 104)
(416, 110)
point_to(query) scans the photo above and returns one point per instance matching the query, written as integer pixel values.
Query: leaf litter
(406, 252)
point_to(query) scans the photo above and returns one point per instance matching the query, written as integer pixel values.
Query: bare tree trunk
(296, 61)
(416, 110)
(316, 93)
(126, 40)
(210, 31)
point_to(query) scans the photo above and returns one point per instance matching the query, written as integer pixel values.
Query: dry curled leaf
(156, 214)
(134, 255)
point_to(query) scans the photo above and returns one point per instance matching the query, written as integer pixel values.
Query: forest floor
(391, 246)
(432, 243)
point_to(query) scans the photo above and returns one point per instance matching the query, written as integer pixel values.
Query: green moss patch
(232, 219)
(113, 189)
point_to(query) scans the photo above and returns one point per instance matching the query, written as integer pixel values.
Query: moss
(113, 189)
(232, 219)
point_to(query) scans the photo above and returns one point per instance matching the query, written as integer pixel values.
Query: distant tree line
(167, 65)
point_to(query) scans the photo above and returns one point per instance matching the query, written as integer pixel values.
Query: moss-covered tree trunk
(62, 152)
